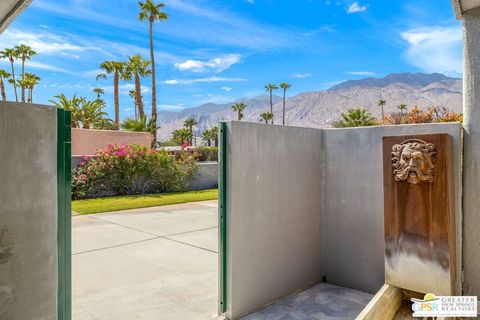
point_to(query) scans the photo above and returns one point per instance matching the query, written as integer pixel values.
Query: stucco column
(471, 158)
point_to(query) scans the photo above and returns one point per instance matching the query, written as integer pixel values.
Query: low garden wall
(87, 141)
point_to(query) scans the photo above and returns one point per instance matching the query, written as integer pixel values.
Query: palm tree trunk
(2, 89)
(14, 81)
(271, 105)
(154, 86)
(23, 78)
(283, 120)
(383, 116)
(116, 101)
(138, 92)
(239, 115)
(30, 95)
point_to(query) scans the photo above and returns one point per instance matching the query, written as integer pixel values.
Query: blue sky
(219, 51)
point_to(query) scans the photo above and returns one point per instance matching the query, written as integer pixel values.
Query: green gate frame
(222, 213)
(64, 215)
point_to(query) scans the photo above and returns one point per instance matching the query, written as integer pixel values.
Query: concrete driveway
(152, 263)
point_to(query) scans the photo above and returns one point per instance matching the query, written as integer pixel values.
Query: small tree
(358, 117)
(189, 123)
(266, 116)
(381, 104)
(270, 88)
(239, 107)
(285, 86)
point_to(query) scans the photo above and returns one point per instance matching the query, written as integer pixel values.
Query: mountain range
(319, 109)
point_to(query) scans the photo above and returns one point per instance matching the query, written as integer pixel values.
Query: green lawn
(140, 201)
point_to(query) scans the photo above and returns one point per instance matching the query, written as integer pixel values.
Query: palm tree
(285, 86)
(214, 135)
(3, 75)
(190, 123)
(207, 137)
(116, 68)
(181, 135)
(402, 108)
(133, 95)
(137, 66)
(269, 88)
(24, 53)
(355, 118)
(92, 113)
(153, 12)
(381, 104)
(73, 105)
(239, 107)
(266, 116)
(85, 114)
(99, 92)
(11, 55)
(29, 82)
(141, 125)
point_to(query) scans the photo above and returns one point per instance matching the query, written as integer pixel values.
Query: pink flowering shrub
(131, 169)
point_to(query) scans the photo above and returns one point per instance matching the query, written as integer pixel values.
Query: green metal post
(64, 220)
(222, 207)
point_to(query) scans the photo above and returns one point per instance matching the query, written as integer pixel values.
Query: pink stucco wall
(86, 142)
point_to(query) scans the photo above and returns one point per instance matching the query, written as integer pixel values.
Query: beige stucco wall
(86, 142)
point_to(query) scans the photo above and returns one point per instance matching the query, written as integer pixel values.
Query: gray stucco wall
(274, 209)
(28, 212)
(307, 203)
(471, 176)
(205, 178)
(353, 214)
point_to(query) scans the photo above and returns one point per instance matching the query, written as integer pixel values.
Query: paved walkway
(152, 263)
(325, 301)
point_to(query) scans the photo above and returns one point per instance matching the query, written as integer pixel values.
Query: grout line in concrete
(186, 232)
(115, 246)
(191, 245)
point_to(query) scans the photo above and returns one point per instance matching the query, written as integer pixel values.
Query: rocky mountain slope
(319, 108)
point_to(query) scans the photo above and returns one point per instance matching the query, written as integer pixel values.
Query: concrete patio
(152, 263)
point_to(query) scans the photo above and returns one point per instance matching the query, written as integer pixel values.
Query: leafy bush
(206, 153)
(359, 117)
(417, 115)
(131, 169)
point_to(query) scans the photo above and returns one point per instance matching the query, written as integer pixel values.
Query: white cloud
(170, 107)
(41, 42)
(251, 1)
(226, 88)
(35, 65)
(203, 80)
(301, 75)
(362, 73)
(216, 65)
(435, 49)
(356, 7)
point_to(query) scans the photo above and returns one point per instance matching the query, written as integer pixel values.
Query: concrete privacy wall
(87, 141)
(303, 204)
(28, 212)
(471, 111)
(274, 210)
(353, 208)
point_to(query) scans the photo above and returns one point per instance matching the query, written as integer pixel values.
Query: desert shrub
(359, 117)
(206, 153)
(417, 115)
(131, 169)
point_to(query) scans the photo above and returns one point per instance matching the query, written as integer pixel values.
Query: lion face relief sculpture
(413, 160)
